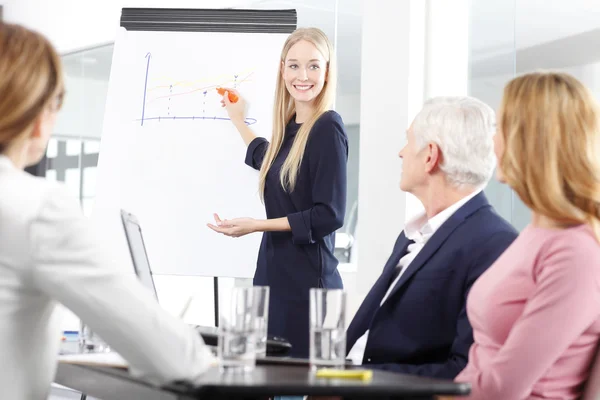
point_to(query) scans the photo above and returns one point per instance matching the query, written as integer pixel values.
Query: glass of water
(89, 341)
(327, 328)
(262, 319)
(237, 330)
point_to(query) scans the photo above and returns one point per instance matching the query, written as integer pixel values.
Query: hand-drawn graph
(168, 100)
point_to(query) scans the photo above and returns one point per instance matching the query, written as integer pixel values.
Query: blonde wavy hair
(285, 108)
(551, 129)
(31, 79)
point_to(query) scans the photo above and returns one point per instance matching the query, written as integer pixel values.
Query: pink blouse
(536, 317)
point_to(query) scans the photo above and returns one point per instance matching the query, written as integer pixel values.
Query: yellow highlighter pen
(361, 374)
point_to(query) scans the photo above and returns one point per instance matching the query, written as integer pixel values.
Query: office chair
(344, 239)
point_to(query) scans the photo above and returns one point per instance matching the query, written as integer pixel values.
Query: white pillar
(447, 48)
(388, 87)
(411, 50)
(441, 66)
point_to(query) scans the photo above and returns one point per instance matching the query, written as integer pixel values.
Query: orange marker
(232, 96)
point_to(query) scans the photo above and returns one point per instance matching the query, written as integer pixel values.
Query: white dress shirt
(419, 230)
(48, 255)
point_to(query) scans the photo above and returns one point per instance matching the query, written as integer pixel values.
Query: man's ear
(434, 157)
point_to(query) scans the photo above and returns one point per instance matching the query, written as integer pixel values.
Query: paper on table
(111, 359)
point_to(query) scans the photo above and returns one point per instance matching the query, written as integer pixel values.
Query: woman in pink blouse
(536, 311)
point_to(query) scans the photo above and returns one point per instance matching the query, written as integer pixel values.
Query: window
(74, 162)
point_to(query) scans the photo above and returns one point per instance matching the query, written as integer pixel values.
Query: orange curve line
(192, 91)
(181, 83)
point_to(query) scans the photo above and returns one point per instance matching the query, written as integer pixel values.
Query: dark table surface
(266, 380)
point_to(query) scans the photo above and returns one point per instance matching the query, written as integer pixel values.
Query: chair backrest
(352, 217)
(592, 386)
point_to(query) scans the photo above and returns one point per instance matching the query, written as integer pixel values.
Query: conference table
(267, 380)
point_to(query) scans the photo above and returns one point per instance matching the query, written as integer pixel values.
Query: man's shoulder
(471, 227)
(486, 221)
(483, 231)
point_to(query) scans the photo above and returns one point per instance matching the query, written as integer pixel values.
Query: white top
(48, 255)
(419, 230)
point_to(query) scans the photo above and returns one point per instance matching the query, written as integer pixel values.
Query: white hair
(463, 128)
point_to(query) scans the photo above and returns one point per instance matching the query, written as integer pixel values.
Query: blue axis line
(248, 121)
(148, 56)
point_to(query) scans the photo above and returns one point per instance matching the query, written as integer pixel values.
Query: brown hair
(31, 79)
(551, 130)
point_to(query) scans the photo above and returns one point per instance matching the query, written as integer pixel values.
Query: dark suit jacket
(422, 327)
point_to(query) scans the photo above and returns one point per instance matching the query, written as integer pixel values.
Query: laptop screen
(135, 240)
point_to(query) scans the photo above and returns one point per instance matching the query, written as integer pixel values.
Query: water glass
(238, 312)
(90, 342)
(262, 319)
(327, 328)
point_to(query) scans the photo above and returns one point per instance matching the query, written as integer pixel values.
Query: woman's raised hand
(236, 110)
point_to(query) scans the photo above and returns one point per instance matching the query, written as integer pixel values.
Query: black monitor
(137, 249)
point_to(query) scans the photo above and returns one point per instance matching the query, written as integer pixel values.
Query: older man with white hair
(414, 319)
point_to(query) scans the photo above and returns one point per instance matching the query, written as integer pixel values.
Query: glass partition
(518, 36)
(72, 154)
(491, 65)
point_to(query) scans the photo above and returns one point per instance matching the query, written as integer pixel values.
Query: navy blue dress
(291, 263)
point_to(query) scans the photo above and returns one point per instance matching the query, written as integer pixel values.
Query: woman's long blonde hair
(551, 130)
(31, 79)
(285, 109)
